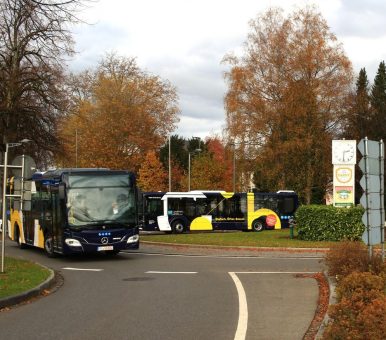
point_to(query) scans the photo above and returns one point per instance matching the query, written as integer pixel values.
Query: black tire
(258, 225)
(18, 238)
(178, 227)
(48, 245)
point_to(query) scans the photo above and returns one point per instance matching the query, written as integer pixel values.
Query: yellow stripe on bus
(227, 194)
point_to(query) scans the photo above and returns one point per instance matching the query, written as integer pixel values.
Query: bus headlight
(72, 242)
(133, 239)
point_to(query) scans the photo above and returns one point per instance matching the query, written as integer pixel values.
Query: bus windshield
(93, 200)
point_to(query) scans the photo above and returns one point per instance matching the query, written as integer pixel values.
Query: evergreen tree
(357, 126)
(377, 122)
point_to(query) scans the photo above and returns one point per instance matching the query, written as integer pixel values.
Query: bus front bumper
(108, 241)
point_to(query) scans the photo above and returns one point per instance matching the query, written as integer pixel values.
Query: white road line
(83, 269)
(161, 272)
(242, 324)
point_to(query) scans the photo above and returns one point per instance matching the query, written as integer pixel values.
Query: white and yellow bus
(217, 210)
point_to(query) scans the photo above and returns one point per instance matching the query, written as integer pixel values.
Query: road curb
(332, 300)
(239, 248)
(33, 292)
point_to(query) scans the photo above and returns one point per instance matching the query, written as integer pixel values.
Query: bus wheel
(178, 227)
(258, 225)
(18, 238)
(48, 245)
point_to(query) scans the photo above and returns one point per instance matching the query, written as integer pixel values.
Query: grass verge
(267, 238)
(20, 276)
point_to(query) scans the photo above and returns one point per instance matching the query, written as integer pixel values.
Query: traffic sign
(373, 183)
(372, 148)
(375, 236)
(371, 201)
(374, 219)
(29, 166)
(374, 166)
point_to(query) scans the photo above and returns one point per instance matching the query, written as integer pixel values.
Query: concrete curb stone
(33, 292)
(332, 301)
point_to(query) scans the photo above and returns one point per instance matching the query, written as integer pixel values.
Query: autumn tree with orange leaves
(286, 96)
(119, 113)
(152, 174)
(212, 169)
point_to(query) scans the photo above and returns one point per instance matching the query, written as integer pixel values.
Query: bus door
(57, 232)
(152, 208)
(30, 215)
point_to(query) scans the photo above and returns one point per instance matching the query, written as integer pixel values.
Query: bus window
(240, 206)
(259, 202)
(225, 208)
(190, 208)
(154, 206)
(175, 206)
(288, 205)
(201, 206)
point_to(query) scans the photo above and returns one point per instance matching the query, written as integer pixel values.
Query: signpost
(373, 184)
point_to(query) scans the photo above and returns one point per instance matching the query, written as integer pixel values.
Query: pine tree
(357, 126)
(377, 122)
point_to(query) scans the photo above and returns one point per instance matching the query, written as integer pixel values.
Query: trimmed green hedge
(327, 223)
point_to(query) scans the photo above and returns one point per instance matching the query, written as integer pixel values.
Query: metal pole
(234, 167)
(367, 196)
(170, 169)
(4, 212)
(189, 172)
(76, 148)
(382, 194)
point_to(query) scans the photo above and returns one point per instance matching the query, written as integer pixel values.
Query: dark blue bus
(79, 211)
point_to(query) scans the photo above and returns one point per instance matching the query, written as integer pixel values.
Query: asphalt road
(142, 295)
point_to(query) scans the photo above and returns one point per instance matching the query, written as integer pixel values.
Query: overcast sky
(184, 42)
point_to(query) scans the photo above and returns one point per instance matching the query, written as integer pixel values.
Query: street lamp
(4, 213)
(234, 166)
(170, 169)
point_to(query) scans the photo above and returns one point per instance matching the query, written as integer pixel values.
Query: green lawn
(20, 276)
(266, 238)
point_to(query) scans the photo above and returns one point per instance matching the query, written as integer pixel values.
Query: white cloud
(185, 41)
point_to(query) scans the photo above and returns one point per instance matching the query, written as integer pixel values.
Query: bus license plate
(105, 248)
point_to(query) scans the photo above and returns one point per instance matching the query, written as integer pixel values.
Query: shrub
(360, 288)
(327, 223)
(361, 309)
(368, 322)
(347, 257)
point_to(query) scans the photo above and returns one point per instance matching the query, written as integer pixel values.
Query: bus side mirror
(61, 191)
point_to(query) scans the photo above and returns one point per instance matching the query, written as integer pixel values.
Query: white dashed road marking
(160, 272)
(83, 269)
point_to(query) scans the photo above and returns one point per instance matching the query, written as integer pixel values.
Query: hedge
(327, 223)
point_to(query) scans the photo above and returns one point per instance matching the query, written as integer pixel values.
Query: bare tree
(34, 41)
